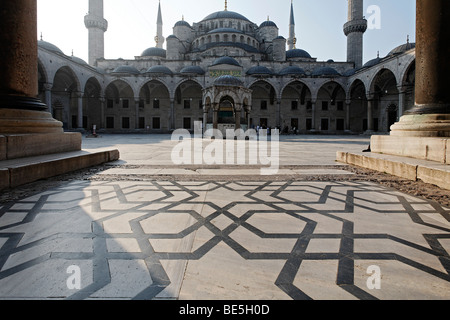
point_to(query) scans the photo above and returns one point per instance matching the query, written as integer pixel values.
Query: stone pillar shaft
(432, 57)
(347, 115)
(370, 115)
(22, 114)
(430, 116)
(80, 110)
(313, 115)
(18, 55)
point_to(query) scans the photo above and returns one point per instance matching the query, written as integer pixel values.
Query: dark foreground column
(18, 55)
(26, 128)
(431, 115)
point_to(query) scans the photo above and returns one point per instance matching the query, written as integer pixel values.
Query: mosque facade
(227, 72)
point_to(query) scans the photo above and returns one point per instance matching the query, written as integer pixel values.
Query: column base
(21, 102)
(29, 133)
(423, 148)
(21, 121)
(422, 125)
(30, 145)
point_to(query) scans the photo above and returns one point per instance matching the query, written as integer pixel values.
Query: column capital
(48, 86)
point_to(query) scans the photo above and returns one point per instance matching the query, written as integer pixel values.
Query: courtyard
(145, 228)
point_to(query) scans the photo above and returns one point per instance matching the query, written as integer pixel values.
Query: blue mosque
(227, 72)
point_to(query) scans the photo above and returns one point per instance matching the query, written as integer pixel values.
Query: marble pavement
(195, 239)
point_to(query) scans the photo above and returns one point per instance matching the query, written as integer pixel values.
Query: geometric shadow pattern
(160, 239)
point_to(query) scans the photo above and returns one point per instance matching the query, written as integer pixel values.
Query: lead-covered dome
(297, 53)
(226, 60)
(154, 52)
(194, 70)
(372, 62)
(325, 72)
(259, 71)
(228, 81)
(292, 71)
(182, 23)
(268, 23)
(402, 49)
(160, 70)
(225, 15)
(49, 47)
(126, 70)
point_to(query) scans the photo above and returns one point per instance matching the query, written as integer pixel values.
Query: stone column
(238, 115)
(423, 132)
(431, 115)
(347, 114)
(313, 115)
(401, 100)
(79, 96)
(48, 96)
(102, 112)
(279, 113)
(370, 115)
(136, 106)
(172, 114)
(215, 117)
(205, 120)
(20, 110)
(23, 117)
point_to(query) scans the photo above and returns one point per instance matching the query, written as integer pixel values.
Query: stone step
(17, 172)
(408, 168)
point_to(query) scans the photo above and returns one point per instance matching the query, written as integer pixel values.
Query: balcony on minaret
(359, 25)
(95, 22)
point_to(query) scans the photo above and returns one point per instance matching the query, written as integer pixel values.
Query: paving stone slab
(224, 240)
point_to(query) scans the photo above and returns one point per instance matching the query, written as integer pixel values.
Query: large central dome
(225, 15)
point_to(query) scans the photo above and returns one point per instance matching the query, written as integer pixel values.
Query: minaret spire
(226, 5)
(159, 27)
(292, 39)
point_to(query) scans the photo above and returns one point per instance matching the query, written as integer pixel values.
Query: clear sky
(132, 23)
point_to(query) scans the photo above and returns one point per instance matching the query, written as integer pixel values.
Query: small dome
(402, 49)
(280, 38)
(268, 24)
(325, 71)
(158, 69)
(193, 70)
(372, 62)
(259, 71)
(126, 70)
(50, 47)
(100, 70)
(172, 36)
(349, 73)
(228, 81)
(292, 71)
(225, 15)
(223, 30)
(154, 52)
(297, 53)
(226, 60)
(182, 23)
(78, 60)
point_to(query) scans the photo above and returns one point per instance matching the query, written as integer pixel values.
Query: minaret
(354, 30)
(159, 27)
(97, 27)
(292, 39)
